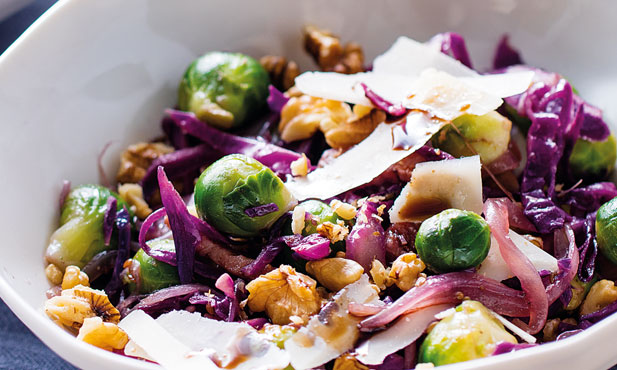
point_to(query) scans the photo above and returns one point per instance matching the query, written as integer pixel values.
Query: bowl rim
(82, 353)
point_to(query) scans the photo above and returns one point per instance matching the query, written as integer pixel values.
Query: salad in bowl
(403, 213)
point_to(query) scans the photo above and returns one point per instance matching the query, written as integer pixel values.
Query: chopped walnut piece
(406, 270)
(324, 47)
(74, 305)
(348, 362)
(283, 293)
(380, 275)
(105, 335)
(73, 277)
(302, 116)
(601, 294)
(282, 72)
(344, 210)
(134, 196)
(299, 167)
(137, 158)
(330, 55)
(334, 232)
(54, 274)
(354, 131)
(550, 331)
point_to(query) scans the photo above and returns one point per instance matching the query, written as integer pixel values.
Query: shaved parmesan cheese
(402, 333)
(365, 161)
(496, 268)
(333, 331)
(480, 94)
(502, 84)
(160, 345)
(513, 328)
(436, 186)
(207, 339)
(448, 97)
(410, 57)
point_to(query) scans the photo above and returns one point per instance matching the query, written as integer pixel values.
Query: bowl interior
(88, 73)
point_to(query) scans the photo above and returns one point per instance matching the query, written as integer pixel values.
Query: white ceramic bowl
(89, 72)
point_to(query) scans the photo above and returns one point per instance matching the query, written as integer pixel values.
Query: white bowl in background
(89, 72)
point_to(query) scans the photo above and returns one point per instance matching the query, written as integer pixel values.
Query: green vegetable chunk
(453, 240)
(593, 159)
(234, 184)
(80, 236)
(321, 213)
(468, 333)
(606, 229)
(153, 274)
(224, 89)
(488, 135)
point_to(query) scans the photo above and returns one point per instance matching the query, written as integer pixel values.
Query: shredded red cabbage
(276, 100)
(272, 156)
(392, 109)
(123, 224)
(180, 165)
(588, 199)
(185, 233)
(507, 347)
(265, 257)
(261, 210)
(312, 247)
(453, 45)
(257, 323)
(109, 219)
(172, 298)
(585, 229)
(506, 55)
(392, 362)
(101, 264)
(564, 246)
(367, 238)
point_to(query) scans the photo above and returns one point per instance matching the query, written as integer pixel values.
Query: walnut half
(283, 293)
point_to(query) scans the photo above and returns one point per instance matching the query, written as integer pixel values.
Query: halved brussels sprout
(606, 229)
(453, 240)
(80, 236)
(224, 89)
(232, 186)
(153, 274)
(593, 159)
(470, 332)
(488, 135)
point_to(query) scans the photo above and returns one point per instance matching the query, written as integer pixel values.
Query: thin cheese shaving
(410, 57)
(160, 345)
(365, 161)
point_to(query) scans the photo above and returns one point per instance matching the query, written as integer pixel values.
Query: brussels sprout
(470, 332)
(153, 274)
(234, 184)
(488, 135)
(593, 159)
(606, 229)
(80, 236)
(523, 123)
(453, 240)
(321, 213)
(224, 89)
